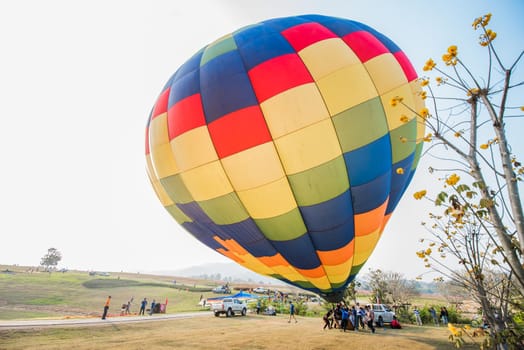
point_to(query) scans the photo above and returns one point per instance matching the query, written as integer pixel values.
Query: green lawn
(38, 294)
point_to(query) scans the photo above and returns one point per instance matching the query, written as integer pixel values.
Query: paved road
(38, 323)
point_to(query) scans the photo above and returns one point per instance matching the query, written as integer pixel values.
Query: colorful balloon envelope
(278, 146)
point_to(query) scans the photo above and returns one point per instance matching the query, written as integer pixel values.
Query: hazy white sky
(78, 79)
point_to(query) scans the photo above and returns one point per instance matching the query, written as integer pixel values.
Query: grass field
(34, 295)
(251, 332)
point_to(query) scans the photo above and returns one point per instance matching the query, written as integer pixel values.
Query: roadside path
(96, 321)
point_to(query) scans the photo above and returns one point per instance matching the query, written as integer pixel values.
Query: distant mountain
(221, 271)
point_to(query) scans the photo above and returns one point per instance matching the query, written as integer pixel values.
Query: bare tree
(379, 287)
(401, 290)
(481, 222)
(391, 288)
(350, 294)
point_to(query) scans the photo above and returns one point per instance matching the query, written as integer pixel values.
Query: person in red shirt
(395, 323)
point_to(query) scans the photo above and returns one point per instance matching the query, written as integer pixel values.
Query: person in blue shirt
(143, 304)
(292, 312)
(345, 318)
(153, 303)
(356, 317)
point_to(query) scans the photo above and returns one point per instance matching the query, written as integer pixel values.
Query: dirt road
(95, 321)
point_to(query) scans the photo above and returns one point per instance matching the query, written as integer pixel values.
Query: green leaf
(479, 185)
(462, 188)
(441, 197)
(486, 203)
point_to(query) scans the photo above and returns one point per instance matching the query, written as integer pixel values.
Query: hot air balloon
(278, 146)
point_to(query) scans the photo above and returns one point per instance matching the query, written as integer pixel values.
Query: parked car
(229, 307)
(383, 314)
(260, 290)
(222, 290)
(270, 311)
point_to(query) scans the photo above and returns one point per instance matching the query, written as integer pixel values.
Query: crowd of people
(355, 317)
(345, 318)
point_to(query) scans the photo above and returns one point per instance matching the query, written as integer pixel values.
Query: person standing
(292, 312)
(345, 318)
(362, 317)
(433, 314)
(357, 316)
(444, 315)
(143, 305)
(153, 304)
(128, 306)
(106, 307)
(371, 318)
(416, 312)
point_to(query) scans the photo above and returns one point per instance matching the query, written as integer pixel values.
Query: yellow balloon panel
(253, 167)
(308, 147)
(327, 56)
(339, 96)
(301, 106)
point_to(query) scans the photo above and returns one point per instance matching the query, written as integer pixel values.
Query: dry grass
(251, 332)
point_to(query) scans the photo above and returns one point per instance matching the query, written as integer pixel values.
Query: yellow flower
(452, 50)
(487, 37)
(458, 134)
(439, 80)
(484, 146)
(429, 65)
(473, 91)
(400, 171)
(428, 137)
(421, 254)
(404, 118)
(423, 95)
(446, 57)
(453, 179)
(395, 100)
(424, 112)
(424, 82)
(486, 19)
(522, 108)
(420, 194)
(428, 251)
(476, 22)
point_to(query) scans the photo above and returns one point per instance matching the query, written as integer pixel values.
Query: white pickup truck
(229, 307)
(383, 314)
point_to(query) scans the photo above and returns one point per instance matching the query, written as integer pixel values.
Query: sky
(79, 78)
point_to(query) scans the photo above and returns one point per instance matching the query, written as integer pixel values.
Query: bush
(403, 315)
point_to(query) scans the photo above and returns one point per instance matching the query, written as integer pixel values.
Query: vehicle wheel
(229, 313)
(217, 314)
(244, 312)
(380, 322)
